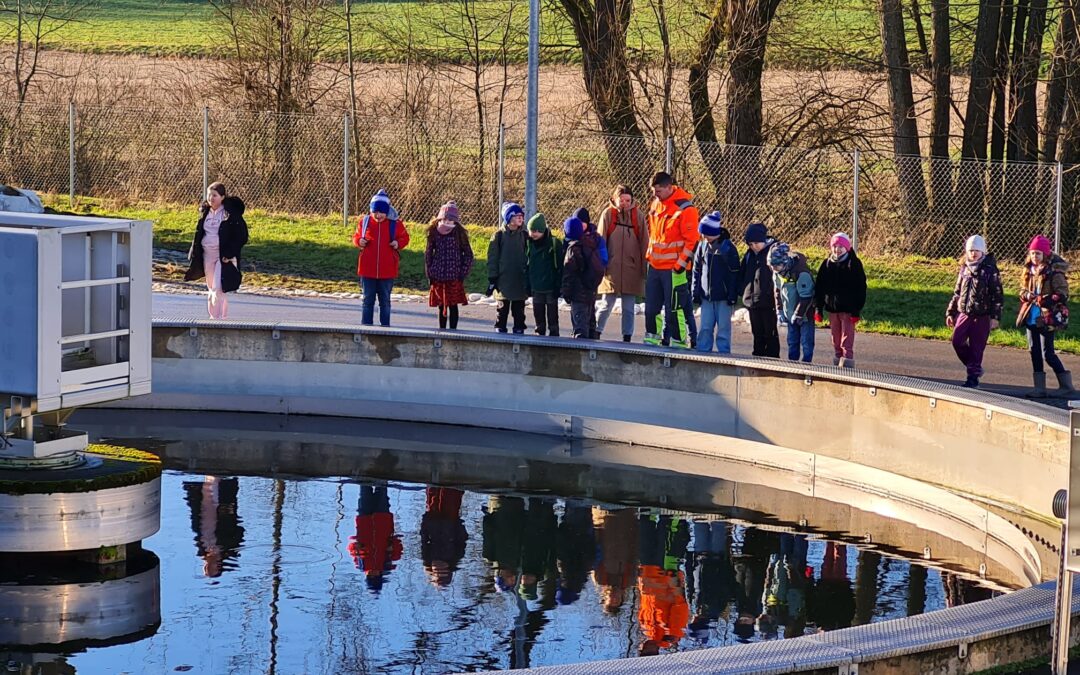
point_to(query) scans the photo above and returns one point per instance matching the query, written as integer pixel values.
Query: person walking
(622, 225)
(793, 285)
(447, 261)
(380, 235)
(220, 236)
(582, 273)
(975, 307)
(715, 286)
(756, 282)
(544, 253)
(507, 268)
(1044, 310)
(673, 235)
(840, 291)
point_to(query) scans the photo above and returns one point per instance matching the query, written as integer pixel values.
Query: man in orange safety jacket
(673, 235)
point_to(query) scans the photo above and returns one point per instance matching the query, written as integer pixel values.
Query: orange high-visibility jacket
(673, 231)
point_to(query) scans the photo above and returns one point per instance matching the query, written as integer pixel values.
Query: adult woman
(1044, 292)
(622, 225)
(215, 250)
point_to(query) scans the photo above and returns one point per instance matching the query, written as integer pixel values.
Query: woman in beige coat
(622, 224)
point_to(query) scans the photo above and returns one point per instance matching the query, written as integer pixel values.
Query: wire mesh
(34, 147)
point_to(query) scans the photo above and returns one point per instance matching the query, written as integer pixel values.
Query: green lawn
(317, 254)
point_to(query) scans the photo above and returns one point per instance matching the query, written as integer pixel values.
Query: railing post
(205, 150)
(669, 155)
(71, 155)
(855, 203)
(532, 110)
(345, 170)
(502, 168)
(1057, 209)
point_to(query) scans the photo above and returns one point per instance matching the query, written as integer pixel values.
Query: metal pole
(669, 155)
(502, 166)
(1057, 210)
(71, 155)
(345, 172)
(855, 205)
(532, 117)
(1062, 613)
(205, 150)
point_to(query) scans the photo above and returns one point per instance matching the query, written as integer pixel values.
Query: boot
(847, 363)
(626, 338)
(1040, 386)
(836, 361)
(1065, 385)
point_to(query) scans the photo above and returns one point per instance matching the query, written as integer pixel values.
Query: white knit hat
(975, 243)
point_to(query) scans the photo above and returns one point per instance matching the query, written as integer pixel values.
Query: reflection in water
(462, 581)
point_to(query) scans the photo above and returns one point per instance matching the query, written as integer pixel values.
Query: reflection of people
(664, 612)
(503, 524)
(784, 595)
(834, 600)
(617, 543)
(216, 523)
(709, 585)
(750, 566)
(575, 551)
(442, 534)
(375, 546)
(538, 553)
(959, 591)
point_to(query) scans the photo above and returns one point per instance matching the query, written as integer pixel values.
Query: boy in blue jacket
(715, 286)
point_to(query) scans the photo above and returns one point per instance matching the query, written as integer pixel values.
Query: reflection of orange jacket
(375, 546)
(673, 231)
(664, 611)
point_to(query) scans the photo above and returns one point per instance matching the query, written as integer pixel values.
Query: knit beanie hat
(537, 223)
(380, 203)
(573, 228)
(975, 243)
(1040, 243)
(756, 233)
(711, 224)
(780, 256)
(582, 214)
(449, 211)
(511, 209)
(840, 239)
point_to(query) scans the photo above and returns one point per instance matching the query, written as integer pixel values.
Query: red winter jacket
(378, 260)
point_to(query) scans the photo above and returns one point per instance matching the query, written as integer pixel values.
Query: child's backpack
(595, 269)
(367, 222)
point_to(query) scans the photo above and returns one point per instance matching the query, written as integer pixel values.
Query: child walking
(582, 273)
(545, 268)
(447, 260)
(380, 236)
(1044, 298)
(841, 292)
(715, 286)
(975, 307)
(506, 268)
(794, 288)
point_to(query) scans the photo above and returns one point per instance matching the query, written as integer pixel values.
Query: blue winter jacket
(716, 272)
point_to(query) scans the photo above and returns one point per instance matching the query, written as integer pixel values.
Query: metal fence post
(1057, 210)
(71, 154)
(855, 203)
(501, 168)
(532, 113)
(205, 150)
(345, 170)
(669, 155)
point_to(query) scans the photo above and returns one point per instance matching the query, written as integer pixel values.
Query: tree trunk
(1027, 52)
(701, 104)
(983, 60)
(1001, 79)
(1066, 53)
(941, 116)
(748, 33)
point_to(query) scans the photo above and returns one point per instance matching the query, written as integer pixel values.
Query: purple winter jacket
(445, 259)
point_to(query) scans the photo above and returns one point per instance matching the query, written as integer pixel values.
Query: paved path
(1008, 370)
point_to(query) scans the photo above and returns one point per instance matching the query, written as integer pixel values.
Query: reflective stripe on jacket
(673, 232)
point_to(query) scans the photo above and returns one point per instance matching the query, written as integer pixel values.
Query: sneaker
(518, 331)
(501, 330)
(626, 338)
(971, 382)
(652, 339)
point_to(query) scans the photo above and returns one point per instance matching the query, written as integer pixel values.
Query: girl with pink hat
(447, 260)
(1044, 310)
(841, 291)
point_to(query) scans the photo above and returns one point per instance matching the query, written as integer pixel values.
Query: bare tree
(29, 23)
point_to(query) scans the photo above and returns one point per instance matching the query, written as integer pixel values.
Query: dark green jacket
(545, 264)
(506, 263)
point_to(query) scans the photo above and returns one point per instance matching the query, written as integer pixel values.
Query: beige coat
(626, 250)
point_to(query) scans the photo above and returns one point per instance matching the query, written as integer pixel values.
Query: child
(581, 278)
(380, 236)
(447, 260)
(715, 285)
(506, 268)
(975, 307)
(545, 266)
(759, 298)
(841, 291)
(794, 288)
(1044, 310)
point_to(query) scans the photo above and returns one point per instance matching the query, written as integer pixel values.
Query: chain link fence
(908, 215)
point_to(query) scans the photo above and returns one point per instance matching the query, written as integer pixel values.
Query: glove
(780, 318)
(678, 278)
(492, 285)
(854, 320)
(730, 303)
(817, 317)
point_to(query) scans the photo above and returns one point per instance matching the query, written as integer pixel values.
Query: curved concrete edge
(77, 521)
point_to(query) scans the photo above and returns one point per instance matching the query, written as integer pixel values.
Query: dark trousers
(1041, 344)
(766, 335)
(375, 288)
(507, 307)
(583, 318)
(679, 322)
(969, 338)
(546, 314)
(448, 314)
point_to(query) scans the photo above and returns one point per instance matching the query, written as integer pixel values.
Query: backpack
(367, 222)
(595, 268)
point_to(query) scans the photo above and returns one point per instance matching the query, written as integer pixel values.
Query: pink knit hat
(1041, 244)
(840, 239)
(449, 211)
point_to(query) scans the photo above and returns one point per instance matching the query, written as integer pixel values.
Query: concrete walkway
(1008, 370)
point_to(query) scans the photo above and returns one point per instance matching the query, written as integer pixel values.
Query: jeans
(679, 322)
(1041, 344)
(766, 335)
(715, 315)
(969, 341)
(504, 309)
(582, 316)
(376, 288)
(546, 313)
(607, 303)
(800, 335)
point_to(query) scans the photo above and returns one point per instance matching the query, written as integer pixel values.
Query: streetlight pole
(533, 104)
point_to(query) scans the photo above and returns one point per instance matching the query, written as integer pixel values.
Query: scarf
(840, 259)
(442, 228)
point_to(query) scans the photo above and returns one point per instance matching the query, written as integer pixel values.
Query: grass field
(317, 254)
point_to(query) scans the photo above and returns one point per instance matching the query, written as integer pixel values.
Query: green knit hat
(537, 223)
